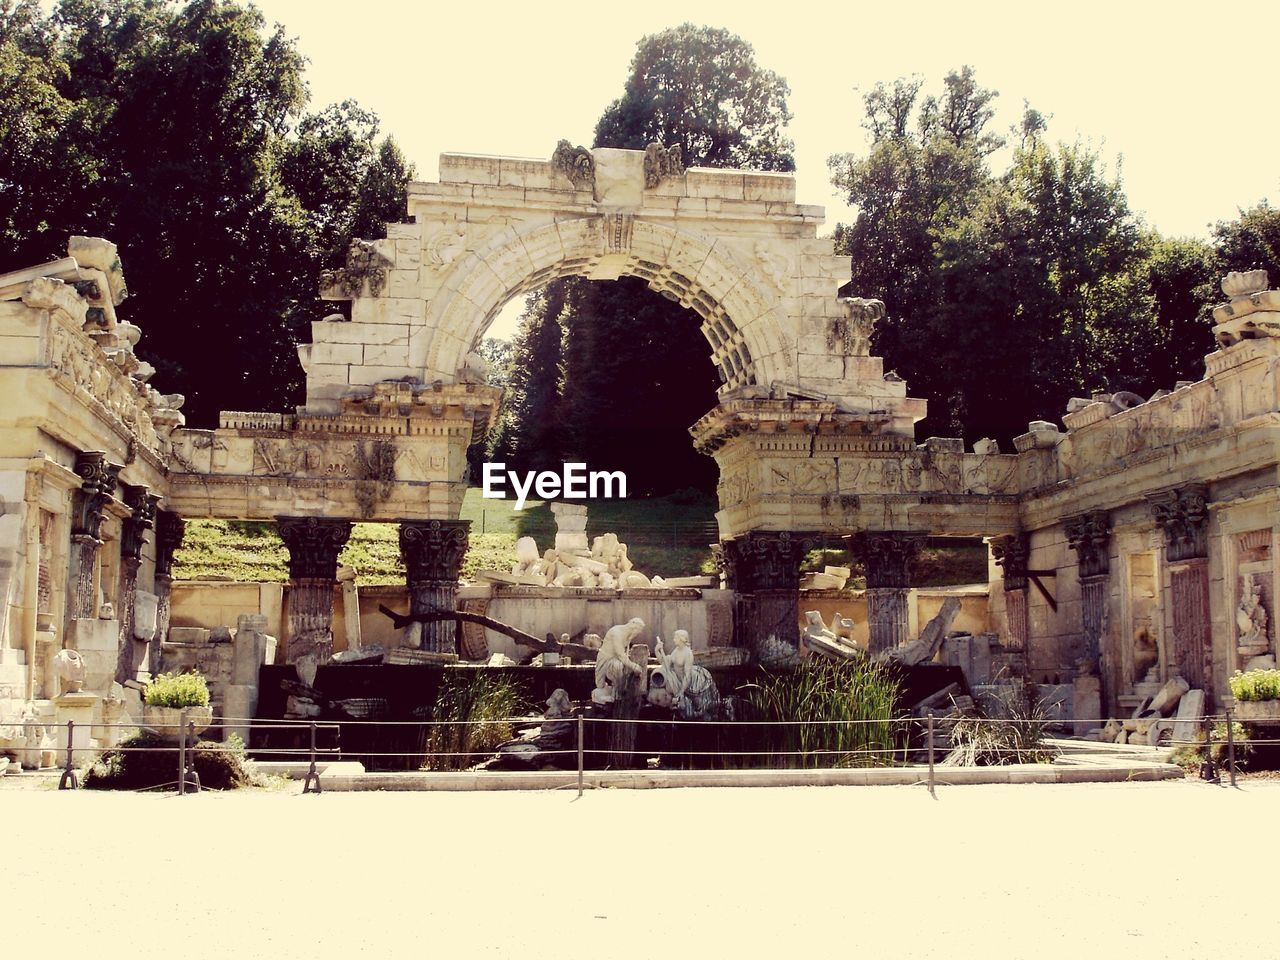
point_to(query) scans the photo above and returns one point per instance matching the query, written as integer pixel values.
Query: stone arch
(739, 316)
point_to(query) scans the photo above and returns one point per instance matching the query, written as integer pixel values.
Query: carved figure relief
(576, 163)
(661, 163)
(444, 246)
(801, 477)
(1251, 618)
(777, 268)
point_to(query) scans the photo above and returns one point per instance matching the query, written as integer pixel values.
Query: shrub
(1005, 731)
(1256, 685)
(146, 761)
(824, 690)
(1189, 756)
(177, 690)
(468, 696)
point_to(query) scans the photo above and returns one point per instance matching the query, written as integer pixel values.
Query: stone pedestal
(432, 551)
(314, 544)
(80, 708)
(888, 556)
(97, 642)
(763, 570)
(1086, 705)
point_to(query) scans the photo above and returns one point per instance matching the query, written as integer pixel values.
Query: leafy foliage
(177, 132)
(145, 761)
(1044, 262)
(188, 689)
(470, 718)
(1254, 685)
(835, 714)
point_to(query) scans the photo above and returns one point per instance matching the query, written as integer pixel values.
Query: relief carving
(851, 335)
(364, 265)
(576, 163)
(375, 474)
(1090, 537)
(1183, 515)
(660, 163)
(444, 246)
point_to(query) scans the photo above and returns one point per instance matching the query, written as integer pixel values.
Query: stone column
(133, 535)
(314, 544)
(888, 556)
(763, 570)
(1183, 516)
(1011, 553)
(432, 551)
(1096, 676)
(97, 488)
(170, 529)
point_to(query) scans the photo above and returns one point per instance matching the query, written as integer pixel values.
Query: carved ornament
(1183, 515)
(133, 532)
(97, 488)
(888, 557)
(850, 335)
(170, 530)
(432, 550)
(576, 163)
(765, 560)
(662, 163)
(364, 265)
(374, 474)
(1090, 537)
(314, 544)
(1011, 554)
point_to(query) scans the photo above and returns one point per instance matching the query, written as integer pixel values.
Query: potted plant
(1257, 695)
(165, 698)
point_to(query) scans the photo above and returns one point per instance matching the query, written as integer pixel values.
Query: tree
(176, 131)
(700, 88)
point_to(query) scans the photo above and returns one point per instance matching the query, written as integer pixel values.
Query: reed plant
(471, 717)
(833, 714)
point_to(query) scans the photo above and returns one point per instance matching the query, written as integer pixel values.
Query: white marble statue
(676, 666)
(613, 659)
(528, 560)
(680, 684)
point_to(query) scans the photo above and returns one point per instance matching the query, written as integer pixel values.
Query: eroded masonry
(1134, 543)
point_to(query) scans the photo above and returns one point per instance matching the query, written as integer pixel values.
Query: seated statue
(681, 685)
(70, 668)
(613, 659)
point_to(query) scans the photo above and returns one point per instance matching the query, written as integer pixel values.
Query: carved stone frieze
(888, 556)
(375, 474)
(314, 544)
(98, 486)
(1011, 553)
(1183, 515)
(662, 163)
(576, 163)
(365, 264)
(87, 372)
(133, 533)
(1089, 536)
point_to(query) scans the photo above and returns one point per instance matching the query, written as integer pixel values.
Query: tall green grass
(816, 692)
(472, 695)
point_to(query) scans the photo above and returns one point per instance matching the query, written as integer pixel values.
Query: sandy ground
(1178, 869)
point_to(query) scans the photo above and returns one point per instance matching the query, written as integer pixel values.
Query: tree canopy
(178, 132)
(1009, 292)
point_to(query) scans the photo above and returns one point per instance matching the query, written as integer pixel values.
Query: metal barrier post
(580, 752)
(311, 782)
(68, 780)
(930, 736)
(1207, 771)
(182, 753)
(1231, 750)
(191, 775)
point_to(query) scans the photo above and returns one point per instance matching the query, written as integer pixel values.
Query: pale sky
(1180, 95)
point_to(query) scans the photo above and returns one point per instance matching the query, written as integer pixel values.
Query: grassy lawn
(667, 536)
